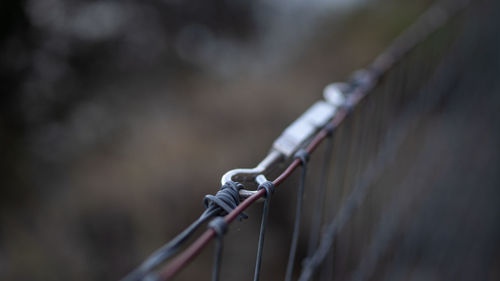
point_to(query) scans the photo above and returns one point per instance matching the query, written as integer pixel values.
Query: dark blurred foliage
(53, 52)
(48, 45)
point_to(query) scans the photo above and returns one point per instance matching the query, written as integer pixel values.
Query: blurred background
(117, 117)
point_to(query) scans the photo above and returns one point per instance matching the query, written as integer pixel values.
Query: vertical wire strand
(263, 224)
(320, 198)
(219, 225)
(303, 156)
(218, 259)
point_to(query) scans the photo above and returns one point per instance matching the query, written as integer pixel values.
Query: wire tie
(303, 155)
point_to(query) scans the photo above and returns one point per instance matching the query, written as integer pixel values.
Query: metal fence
(405, 166)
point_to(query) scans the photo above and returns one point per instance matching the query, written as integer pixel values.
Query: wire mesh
(411, 172)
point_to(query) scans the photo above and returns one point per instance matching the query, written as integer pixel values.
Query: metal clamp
(294, 137)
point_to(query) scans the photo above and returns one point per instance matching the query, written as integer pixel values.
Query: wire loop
(219, 225)
(227, 198)
(303, 155)
(268, 186)
(329, 128)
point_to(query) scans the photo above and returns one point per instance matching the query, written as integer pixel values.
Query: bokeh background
(117, 117)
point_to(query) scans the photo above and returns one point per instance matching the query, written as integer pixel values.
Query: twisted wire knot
(303, 155)
(268, 186)
(329, 128)
(227, 198)
(219, 225)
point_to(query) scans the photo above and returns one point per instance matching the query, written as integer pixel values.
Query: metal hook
(250, 175)
(294, 137)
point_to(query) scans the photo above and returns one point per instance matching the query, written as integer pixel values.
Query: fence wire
(381, 174)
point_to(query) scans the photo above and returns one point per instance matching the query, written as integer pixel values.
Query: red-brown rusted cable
(194, 249)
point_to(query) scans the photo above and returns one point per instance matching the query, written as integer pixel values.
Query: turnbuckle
(296, 136)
